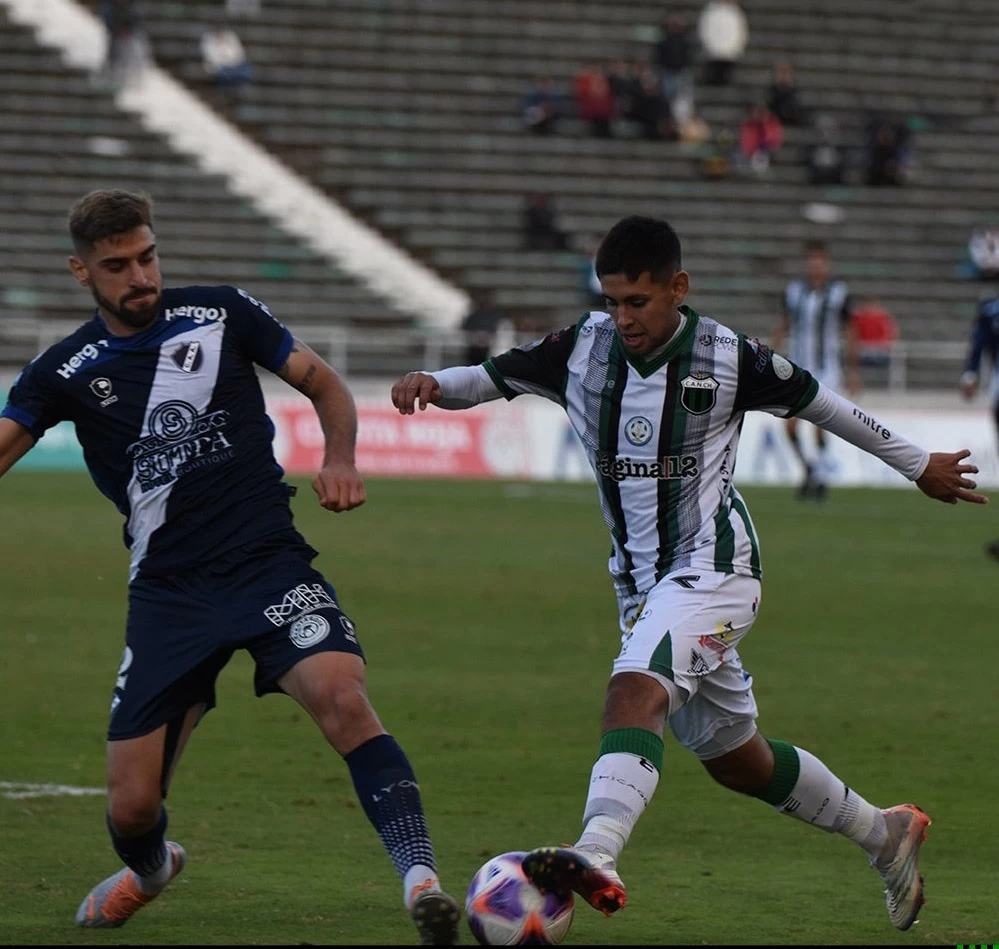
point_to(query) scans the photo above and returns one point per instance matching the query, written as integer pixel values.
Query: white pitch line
(17, 789)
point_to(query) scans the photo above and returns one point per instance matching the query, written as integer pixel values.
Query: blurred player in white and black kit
(815, 325)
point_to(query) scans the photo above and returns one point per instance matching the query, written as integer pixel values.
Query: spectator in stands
(714, 154)
(760, 136)
(236, 8)
(541, 108)
(648, 107)
(887, 152)
(480, 323)
(623, 82)
(541, 229)
(723, 33)
(594, 100)
(782, 96)
(983, 251)
(225, 59)
(672, 56)
(875, 331)
(824, 157)
(127, 43)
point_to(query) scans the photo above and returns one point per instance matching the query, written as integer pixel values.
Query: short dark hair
(637, 244)
(103, 214)
(816, 246)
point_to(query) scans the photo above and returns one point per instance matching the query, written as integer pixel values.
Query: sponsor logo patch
(669, 468)
(638, 431)
(308, 630)
(303, 599)
(782, 368)
(724, 342)
(89, 353)
(180, 440)
(102, 388)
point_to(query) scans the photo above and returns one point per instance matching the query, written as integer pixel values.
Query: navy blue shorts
(264, 597)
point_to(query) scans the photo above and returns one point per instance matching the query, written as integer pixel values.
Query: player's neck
(659, 350)
(116, 327)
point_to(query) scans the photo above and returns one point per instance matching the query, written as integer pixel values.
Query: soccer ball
(504, 908)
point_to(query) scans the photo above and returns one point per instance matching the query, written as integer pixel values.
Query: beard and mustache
(137, 318)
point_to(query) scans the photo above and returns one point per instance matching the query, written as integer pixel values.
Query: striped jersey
(661, 435)
(816, 319)
(172, 423)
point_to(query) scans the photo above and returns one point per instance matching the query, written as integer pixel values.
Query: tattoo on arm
(305, 386)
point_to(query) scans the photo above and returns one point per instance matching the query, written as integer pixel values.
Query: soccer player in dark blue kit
(161, 387)
(985, 339)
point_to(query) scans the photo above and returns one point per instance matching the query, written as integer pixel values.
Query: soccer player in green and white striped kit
(657, 394)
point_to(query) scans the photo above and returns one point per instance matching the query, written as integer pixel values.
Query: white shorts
(684, 633)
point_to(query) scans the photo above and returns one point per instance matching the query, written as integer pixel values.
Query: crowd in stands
(654, 97)
(129, 52)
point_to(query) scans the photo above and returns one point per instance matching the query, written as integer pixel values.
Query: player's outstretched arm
(15, 440)
(338, 485)
(459, 387)
(944, 479)
(939, 475)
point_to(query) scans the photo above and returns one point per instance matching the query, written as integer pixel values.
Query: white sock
(621, 786)
(416, 876)
(820, 798)
(155, 881)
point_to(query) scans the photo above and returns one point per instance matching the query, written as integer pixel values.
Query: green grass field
(489, 624)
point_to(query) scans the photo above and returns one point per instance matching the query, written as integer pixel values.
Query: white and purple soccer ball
(504, 908)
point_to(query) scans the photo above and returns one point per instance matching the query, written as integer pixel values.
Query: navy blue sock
(145, 854)
(390, 796)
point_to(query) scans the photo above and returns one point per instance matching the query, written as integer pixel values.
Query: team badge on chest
(189, 357)
(698, 392)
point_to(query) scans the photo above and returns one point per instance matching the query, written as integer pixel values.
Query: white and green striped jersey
(661, 435)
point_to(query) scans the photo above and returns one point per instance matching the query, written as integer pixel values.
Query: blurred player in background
(816, 325)
(985, 339)
(657, 394)
(161, 387)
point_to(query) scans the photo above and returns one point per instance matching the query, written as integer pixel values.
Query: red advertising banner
(474, 443)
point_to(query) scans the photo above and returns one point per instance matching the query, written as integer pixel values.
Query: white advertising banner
(530, 438)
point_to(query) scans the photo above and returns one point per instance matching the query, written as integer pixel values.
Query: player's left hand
(339, 487)
(944, 479)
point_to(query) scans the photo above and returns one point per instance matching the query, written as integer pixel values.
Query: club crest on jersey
(698, 392)
(189, 356)
(101, 387)
(638, 431)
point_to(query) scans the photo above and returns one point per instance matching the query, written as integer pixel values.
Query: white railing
(360, 351)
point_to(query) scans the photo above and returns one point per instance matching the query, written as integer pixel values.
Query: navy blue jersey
(985, 336)
(172, 423)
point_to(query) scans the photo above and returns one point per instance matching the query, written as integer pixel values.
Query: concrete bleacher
(409, 113)
(62, 136)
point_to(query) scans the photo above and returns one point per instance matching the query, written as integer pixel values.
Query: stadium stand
(408, 114)
(61, 137)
